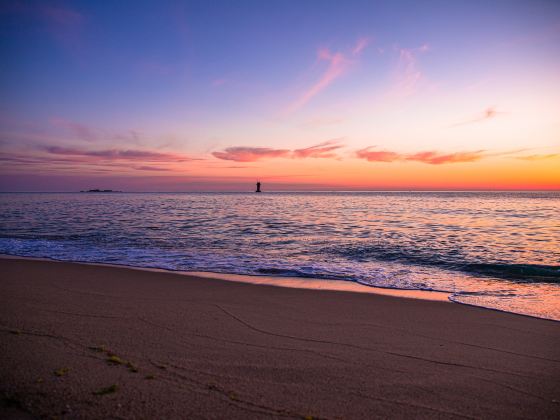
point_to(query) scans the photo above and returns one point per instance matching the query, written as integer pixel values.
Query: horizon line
(281, 191)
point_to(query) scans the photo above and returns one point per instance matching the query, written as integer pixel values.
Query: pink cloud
(377, 155)
(338, 64)
(361, 44)
(55, 158)
(150, 168)
(322, 150)
(434, 158)
(429, 157)
(407, 74)
(250, 154)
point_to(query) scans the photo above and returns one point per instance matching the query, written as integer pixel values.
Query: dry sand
(83, 341)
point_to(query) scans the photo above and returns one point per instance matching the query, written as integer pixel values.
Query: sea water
(498, 250)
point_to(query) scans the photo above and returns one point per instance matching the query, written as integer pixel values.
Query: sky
(301, 95)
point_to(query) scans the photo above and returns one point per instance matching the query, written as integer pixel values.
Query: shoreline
(97, 341)
(309, 283)
(304, 283)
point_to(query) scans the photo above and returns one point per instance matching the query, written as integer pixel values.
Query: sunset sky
(303, 95)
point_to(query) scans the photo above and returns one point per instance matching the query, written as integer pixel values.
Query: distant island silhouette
(98, 191)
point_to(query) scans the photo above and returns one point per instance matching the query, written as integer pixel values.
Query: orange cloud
(430, 157)
(378, 155)
(434, 158)
(539, 157)
(338, 64)
(250, 154)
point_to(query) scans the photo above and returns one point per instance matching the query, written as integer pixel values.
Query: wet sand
(84, 341)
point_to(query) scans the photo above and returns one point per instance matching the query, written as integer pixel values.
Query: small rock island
(99, 191)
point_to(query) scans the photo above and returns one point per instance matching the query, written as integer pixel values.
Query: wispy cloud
(407, 75)
(250, 154)
(435, 158)
(118, 154)
(151, 67)
(81, 131)
(539, 157)
(62, 17)
(488, 114)
(322, 122)
(150, 168)
(132, 136)
(323, 150)
(56, 159)
(378, 155)
(361, 44)
(429, 157)
(218, 82)
(88, 133)
(62, 23)
(338, 63)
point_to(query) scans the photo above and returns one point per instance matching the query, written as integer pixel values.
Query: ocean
(498, 250)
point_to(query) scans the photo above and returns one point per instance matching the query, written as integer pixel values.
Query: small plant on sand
(107, 390)
(115, 360)
(61, 371)
(15, 332)
(131, 367)
(149, 377)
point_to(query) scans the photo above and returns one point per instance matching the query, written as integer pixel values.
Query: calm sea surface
(498, 250)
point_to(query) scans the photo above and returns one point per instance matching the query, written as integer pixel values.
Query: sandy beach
(84, 341)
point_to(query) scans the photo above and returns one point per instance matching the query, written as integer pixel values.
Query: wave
(535, 291)
(517, 272)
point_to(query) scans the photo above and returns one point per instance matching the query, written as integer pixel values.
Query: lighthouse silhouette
(258, 186)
